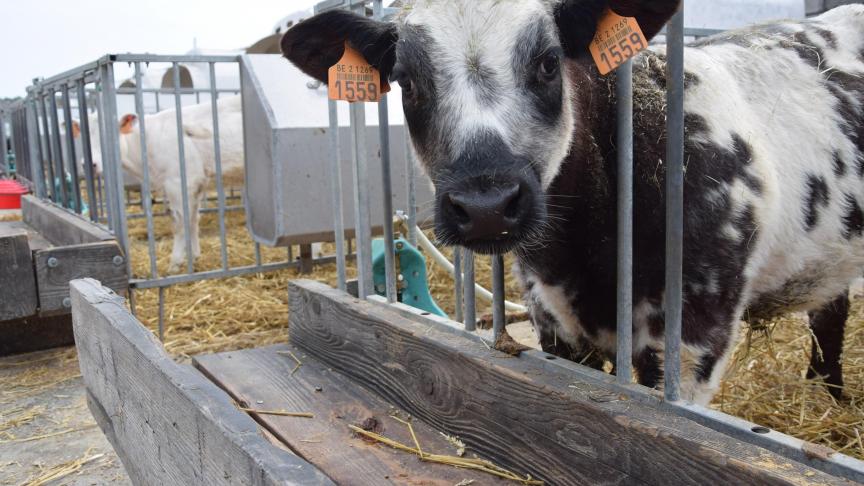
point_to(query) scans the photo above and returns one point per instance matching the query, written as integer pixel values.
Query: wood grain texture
(18, 296)
(35, 333)
(517, 412)
(336, 402)
(36, 240)
(168, 424)
(92, 260)
(59, 226)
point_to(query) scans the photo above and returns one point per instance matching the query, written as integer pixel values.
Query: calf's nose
(486, 214)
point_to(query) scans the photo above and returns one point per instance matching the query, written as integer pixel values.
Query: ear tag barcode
(354, 79)
(617, 40)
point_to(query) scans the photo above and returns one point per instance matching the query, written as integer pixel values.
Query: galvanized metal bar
(387, 190)
(146, 193)
(57, 151)
(498, 315)
(104, 204)
(181, 150)
(33, 140)
(45, 148)
(3, 149)
(412, 188)
(162, 314)
(336, 194)
(170, 58)
(468, 289)
(211, 274)
(674, 204)
(170, 91)
(87, 151)
(114, 186)
(70, 147)
(217, 147)
(624, 94)
(362, 218)
(457, 280)
(257, 254)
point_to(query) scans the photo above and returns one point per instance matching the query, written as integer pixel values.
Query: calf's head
(486, 88)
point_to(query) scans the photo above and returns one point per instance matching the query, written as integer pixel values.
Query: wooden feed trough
(39, 256)
(361, 363)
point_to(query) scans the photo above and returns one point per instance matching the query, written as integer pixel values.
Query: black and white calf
(516, 128)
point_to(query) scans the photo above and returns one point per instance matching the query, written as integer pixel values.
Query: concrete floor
(45, 424)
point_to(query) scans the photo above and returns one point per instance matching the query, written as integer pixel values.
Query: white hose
(442, 260)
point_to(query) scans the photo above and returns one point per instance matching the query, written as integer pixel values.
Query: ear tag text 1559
(354, 79)
(617, 40)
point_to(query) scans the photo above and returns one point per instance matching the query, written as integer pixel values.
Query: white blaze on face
(479, 89)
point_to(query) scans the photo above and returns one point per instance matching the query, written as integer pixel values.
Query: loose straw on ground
(280, 413)
(455, 461)
(62, 470)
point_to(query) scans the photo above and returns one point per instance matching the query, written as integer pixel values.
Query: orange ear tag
(617, 40)
(354, 79)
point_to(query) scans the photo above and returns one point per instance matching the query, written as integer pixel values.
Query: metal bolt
(400, 246)
(53, 262)
(67, 302)
(118, 260)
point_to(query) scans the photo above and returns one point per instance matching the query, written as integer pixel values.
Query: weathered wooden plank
(336, 402)
(35, 333)
(168, 424)
(524, 415)
(56, 267)
(59, 226)
(17, 282)
(37, 241)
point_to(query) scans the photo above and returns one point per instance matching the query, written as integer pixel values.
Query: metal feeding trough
(288, 150)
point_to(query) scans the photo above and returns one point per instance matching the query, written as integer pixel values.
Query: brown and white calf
(516, 128)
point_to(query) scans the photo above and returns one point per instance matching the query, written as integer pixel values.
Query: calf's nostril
(457, 208)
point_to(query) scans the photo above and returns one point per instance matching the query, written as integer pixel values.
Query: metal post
(412, 188)
(111, 158)
(47, 150)
(57, 150)
(146, 194)
(624, 94)
(87, 151)
(3, 150)
(336, 193)
(70, 147)
(220, 189)
(498, 315)
(363, 223)
(457, 278)
(36, 173)
(187, 218)
(674, 204)
(468, 289)
(162, 314)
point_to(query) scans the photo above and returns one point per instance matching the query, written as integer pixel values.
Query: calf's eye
(549, 67)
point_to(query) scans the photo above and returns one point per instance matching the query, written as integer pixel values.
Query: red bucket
(10, 194)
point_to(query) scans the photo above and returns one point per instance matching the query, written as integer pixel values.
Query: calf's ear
(318, 43)
(127, 123)
(577, 19)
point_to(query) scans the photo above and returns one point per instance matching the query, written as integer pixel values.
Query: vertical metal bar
(47, 150)
(57, 150)
(498, 316)
(412, 188)
(220, 189)
(70, 146)
(100, 182)
(37, 176)
(162, 314)
(132, 304)
(674, 204)
(457, 279)
(336, 193)
(468, 290)
(363, 223)
(146, 194)
(181, 151)
(3, 149)
(624, 93)
(257, 254)
(114, 185)
(86, 150)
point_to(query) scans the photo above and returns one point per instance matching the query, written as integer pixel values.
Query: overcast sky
(45, 37)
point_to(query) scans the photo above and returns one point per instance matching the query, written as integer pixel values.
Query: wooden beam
(18, 296)
(56, 267)
(168, 424)
(325, 440)
(59, 226)
(35, 333)
(518, 412)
